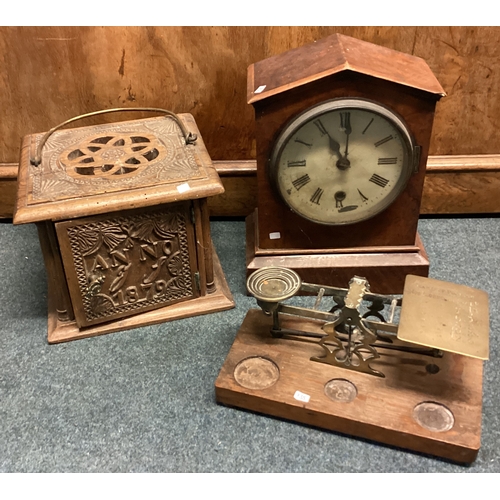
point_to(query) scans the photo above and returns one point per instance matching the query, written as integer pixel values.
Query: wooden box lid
(116, 166)
(335, 54)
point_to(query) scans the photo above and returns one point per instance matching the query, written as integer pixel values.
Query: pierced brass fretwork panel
(122, 265)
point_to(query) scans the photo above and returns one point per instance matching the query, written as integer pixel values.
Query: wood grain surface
(387, 267)
(382, 409)
(453, 185)
(220, 300)
(49, 74)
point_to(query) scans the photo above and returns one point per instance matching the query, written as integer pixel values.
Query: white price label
(275, 236)
(182, 188)
(300, 396)
(260, 89)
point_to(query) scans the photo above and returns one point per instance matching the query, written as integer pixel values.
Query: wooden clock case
(384, 248)
(123, 222)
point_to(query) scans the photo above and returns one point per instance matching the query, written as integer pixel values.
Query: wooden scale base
(220, 300)
(424, 404)
(386, 268)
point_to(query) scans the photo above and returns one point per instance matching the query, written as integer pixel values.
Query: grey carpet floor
(143, 400)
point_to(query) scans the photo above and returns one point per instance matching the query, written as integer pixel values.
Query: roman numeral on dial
(387, 161)
(383, 141)
(345, 120)
(301, 181)
(316, 196)
(339, 198)
(320, 126)
(379, 180)
(296, 163)
(363, 197)
(300, 141)
(366, 128)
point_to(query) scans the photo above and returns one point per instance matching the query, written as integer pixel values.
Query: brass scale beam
(350, 340)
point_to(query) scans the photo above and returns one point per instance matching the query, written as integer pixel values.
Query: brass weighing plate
(446, 316)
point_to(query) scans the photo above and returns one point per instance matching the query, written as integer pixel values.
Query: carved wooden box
(121, 211)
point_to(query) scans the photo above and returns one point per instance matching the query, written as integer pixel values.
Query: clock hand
(345, 119)
(334, 146)
(342, 162)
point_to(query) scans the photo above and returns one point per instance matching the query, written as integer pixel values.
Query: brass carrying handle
(189, 137)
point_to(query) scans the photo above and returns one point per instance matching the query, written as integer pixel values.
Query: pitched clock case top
(122, 216)
(342, 130)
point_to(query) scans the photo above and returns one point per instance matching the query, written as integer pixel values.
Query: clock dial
(343, 161)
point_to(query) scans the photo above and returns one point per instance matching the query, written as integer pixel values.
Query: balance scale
(405, 370)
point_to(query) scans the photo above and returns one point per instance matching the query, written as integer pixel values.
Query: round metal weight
(274, 284)
(256, 373)
(433, 416)
(341, 390)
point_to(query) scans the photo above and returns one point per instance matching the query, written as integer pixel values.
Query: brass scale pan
(274, 284)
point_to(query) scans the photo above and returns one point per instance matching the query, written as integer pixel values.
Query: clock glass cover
(343, 161)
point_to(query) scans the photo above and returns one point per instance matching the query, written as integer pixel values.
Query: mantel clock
(342, 130)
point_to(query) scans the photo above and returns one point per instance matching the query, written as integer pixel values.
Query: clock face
(343, 161)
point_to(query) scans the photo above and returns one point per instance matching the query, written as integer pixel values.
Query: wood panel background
(49, 74)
